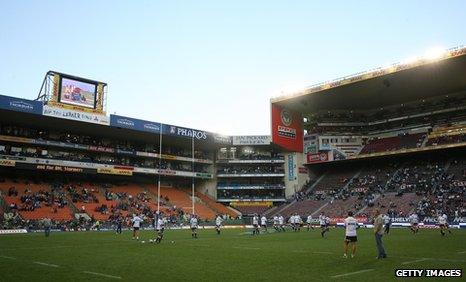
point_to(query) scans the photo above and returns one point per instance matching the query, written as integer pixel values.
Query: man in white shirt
(281, 222)
(218, 224)
(323, 224)
(351, 237)
(255, 224)
(297, 222)
(414, 220)
(264, 223)
(159, 227)
(443, 224)
(193, 222)
(291, 221)
(275, 223)
(309, 223)
(136, 225)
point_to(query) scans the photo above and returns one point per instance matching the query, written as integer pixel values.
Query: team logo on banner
(172, 129)
(286, 117)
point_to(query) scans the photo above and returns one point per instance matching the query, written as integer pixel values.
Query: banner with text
(20, 105)
(76, 115)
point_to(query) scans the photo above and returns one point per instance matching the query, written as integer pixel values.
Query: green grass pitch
(232, 256)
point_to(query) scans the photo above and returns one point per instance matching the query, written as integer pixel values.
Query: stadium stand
(404, 141)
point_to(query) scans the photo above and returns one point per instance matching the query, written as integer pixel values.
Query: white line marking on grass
(7, 257)
(45, 264)
(246, 248)
(351, 273)
(102, 274)
(414, 261)
(463, 252)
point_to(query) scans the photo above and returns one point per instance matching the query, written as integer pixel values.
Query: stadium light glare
(292, 88)
(435, 53)
(410, 60)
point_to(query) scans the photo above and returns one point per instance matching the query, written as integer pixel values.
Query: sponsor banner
(203, 175)
(291, 167)
(125, 152)
(245, 204)
(251, 175)
(20, 105)
(252, 140)
(13, 231)
(7, 163)
(76, 115)
(101, 149)
(287, 130)
(185, 132)
(359, 219)
(115, 171)
(222, 139)
(254, 161)
(321, 157)
(251, 187)
(302, 170)
(60, 168)
(135, 124)
(146, 154)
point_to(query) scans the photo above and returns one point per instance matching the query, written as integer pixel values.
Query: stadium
(121, 198)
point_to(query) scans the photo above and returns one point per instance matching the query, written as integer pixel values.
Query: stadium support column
(160, 165)
(192, 168)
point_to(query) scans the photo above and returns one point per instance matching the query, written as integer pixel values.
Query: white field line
(7, 257)
(351, 273)
(45, 264)
(414, 261)
(463, 252)
(102, 274)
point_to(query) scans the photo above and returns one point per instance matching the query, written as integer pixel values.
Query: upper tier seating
(387, 144)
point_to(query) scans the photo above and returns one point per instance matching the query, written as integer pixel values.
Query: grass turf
(232, 256)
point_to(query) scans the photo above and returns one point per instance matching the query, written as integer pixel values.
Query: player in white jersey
(136, 221)
(298, 221)
(281, 222)
(275, 223)
(387, 224)
(159, 227)
(255, 225)
(264, 223)
(309, 222)
(193, 222)
(443, 224)
(291, 221)
(414, 220)
(323, 224)
(351, 225)
(218, 224)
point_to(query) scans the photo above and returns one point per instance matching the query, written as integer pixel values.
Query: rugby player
(351, 238)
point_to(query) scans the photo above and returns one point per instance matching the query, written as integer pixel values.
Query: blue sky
(213, 65)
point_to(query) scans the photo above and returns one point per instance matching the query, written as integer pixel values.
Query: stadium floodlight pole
(160, 166)
(192, 168)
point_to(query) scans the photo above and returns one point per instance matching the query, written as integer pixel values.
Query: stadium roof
(400, 83)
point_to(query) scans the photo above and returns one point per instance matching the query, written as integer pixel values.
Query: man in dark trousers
(378, 232)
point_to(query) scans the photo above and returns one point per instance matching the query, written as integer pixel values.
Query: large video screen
(77, 93)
